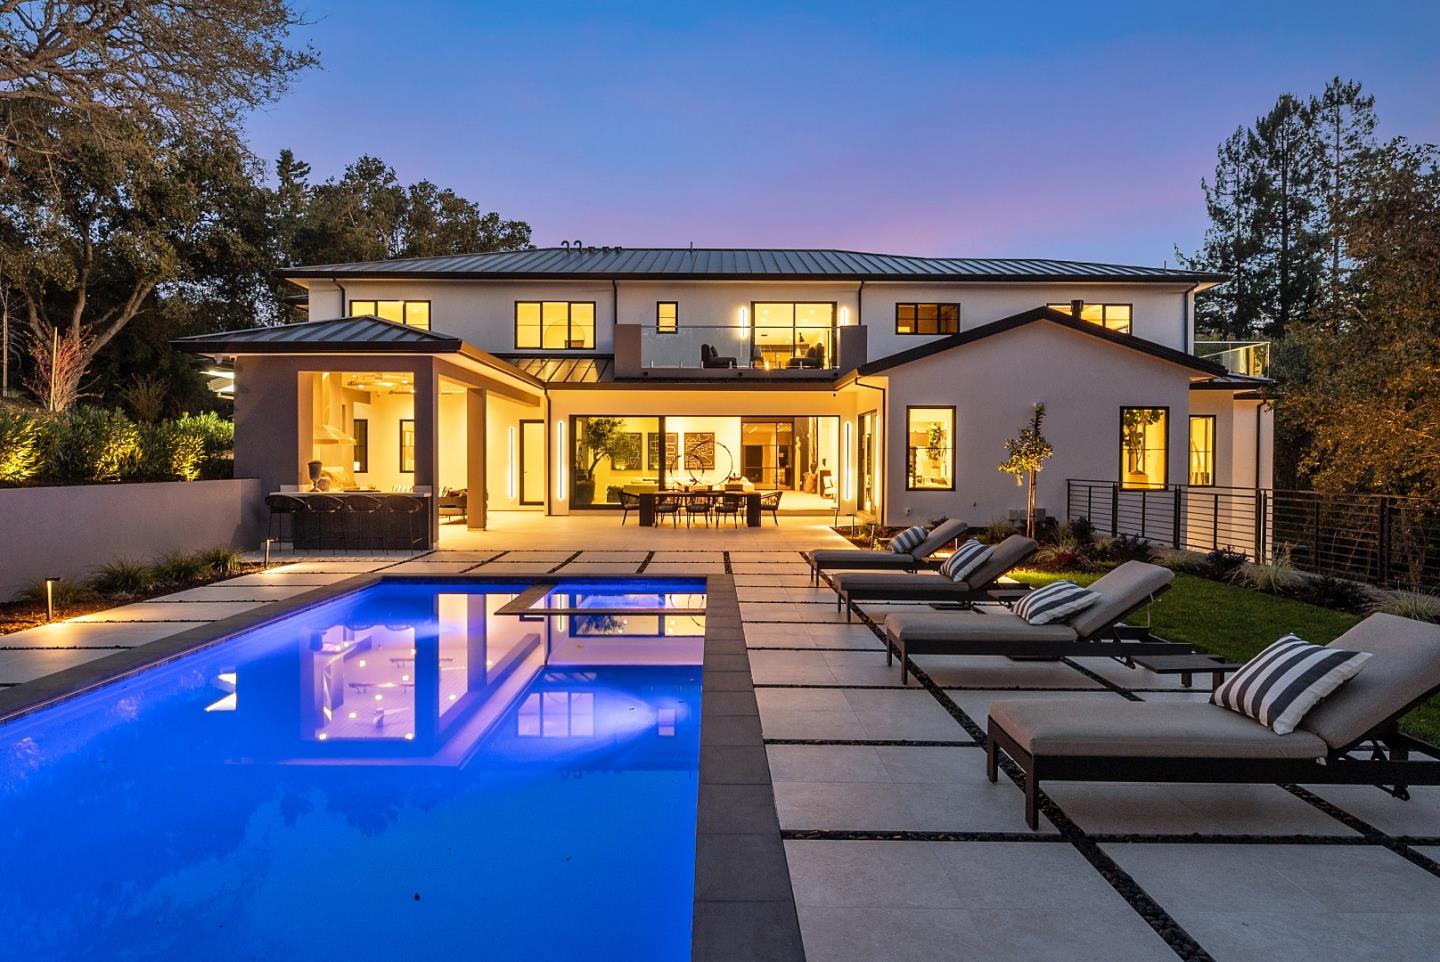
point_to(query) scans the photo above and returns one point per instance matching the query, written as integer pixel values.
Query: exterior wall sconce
(848, 487)
(510, 474)
(560, 460)
(844, 317)
(744, 320)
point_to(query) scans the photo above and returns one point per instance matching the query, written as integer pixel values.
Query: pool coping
(744, 905)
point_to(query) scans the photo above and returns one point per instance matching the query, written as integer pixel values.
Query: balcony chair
(1350, 738)
(709, 358)
(812, 358)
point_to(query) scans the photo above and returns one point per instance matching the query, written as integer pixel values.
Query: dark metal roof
(1042, 314)
(554, 369)
(344, 335)
(660, 263)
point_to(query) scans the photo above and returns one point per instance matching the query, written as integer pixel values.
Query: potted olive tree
(1028, 454)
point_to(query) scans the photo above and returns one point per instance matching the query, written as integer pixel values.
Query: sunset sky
(963, 129)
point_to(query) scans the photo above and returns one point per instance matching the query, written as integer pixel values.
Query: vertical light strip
(560, 460)
(848, 488)
(844, 317)
(510, 477)
(744, 320)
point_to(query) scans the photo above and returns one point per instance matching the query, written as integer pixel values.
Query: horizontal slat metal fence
(1378, 539)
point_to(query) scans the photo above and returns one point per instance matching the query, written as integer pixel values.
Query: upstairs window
(1144, 447)
(1202, 450)
(927, 318)
(412, 313)
(555, 325)
(1112, 317)
(667, 316)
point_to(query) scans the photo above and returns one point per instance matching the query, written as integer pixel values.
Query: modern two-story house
(884, 386)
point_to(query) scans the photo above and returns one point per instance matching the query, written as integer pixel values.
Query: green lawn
(1236, 622)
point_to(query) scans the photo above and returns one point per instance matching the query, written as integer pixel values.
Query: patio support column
(427, 449)
(475, 451)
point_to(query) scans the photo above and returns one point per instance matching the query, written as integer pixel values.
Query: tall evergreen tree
(1343, 120)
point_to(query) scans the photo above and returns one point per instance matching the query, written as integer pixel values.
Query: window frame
(401, 452)
(1103, 305)
(916, 323)
(1189, 473)
(404, 303)
(569, 325)
(675, 324)
(910, 474)
(361, 430)
(1120, 461)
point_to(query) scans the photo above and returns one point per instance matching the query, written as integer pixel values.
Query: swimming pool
(404, 772)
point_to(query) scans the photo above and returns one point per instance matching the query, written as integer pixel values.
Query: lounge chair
(852, 586)
(1201, 742)
(1093, 631)
(826, 559)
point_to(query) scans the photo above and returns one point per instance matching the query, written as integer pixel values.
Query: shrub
(123, 576)
(167, 453)
(1128, 547)
(180, 567)
(217, 438)
(1081, 529)
(1419, 605)
(1330, 592)
(1063, 557)
(998, 531)
(21, 452)
(88, 445)
(66, 593)
(223, 561)
(1178, 559)
(1222, 562)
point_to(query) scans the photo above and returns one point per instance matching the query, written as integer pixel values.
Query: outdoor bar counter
(356, 520)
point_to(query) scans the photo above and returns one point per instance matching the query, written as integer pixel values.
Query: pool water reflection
(401, 773)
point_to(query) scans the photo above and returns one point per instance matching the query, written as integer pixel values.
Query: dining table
(648, 500)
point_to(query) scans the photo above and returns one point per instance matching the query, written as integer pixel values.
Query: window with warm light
(362, 445)
(555, 325)
(927, 318)
(789, 334)
(667, 317)
(1112, 317)
(930, 448)
(407, 445)
(1202, 449)
(1144, 447)
(411, 313)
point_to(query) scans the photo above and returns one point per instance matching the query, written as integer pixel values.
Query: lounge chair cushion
(1405, 667)
(939, 536)
(1054, 602)
(963, 626)
(908, 540)
(861, 560)
(1281, 684)
(966, 559)
(1121, 729)
(897, 586)
(1120, 591)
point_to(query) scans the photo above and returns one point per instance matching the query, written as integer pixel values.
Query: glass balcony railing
(759, 348)
(1251, 358)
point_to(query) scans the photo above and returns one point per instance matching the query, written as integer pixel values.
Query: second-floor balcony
(721, 351)
(1251, 358)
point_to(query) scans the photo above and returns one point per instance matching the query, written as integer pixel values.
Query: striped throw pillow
(1279, 685)
(1055, 601)
(907, 540)
(966, 559)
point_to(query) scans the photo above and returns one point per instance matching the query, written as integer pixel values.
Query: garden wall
(67, 531)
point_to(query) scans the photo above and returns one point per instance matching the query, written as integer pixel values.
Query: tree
(1028, 454)
(194, 65)
(1265, 226)
(1343, 120)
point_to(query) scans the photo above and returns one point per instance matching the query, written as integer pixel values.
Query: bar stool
(329, 526)
(402, 514)
(362, 517)
(282, 506)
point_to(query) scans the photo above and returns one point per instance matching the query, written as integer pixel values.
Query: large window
(413, 313)
(1202, 449)
(555, 325)
(667, 317)
(1144, 447)
(614, 454)
(793, 335)
(1112, 317)
(927, 318)
(930, 449)
(407, 445)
